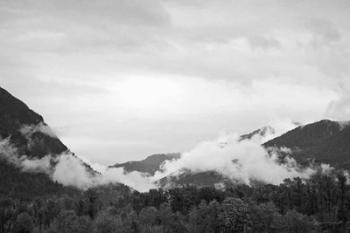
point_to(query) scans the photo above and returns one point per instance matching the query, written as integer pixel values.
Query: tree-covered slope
(26, 130)
(15, 183)
(324, 141)
(149, 165)
(15, 118)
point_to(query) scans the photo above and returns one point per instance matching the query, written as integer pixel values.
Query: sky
(118, 80)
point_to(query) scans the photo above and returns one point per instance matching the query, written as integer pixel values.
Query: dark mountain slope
(323, 141)
(14, 115)
(259, 132)
(149, 165)
(153, 162)
(23, 185)
(209, 178)
(25, 131)
(199, 179)
(308, 135)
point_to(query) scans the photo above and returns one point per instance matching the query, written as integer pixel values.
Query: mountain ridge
(25, 133)
(14, 115)
(149, 165)
(324, 141)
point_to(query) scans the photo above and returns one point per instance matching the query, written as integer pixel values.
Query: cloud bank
(69, 170)
(243, 161)
(28, 130)
(235, 159)
(133, 71)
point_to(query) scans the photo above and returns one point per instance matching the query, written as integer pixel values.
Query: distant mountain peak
(262, 132)
(324, 141)
(149, 165)
(29, 149)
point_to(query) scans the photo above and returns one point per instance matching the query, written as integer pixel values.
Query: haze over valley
(173, 116)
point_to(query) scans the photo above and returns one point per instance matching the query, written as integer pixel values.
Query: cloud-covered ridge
(243, 161)
(236, 159)
(70, 170)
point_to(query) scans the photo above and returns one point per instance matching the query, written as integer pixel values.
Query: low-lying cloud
(10, 154)
(236, 159)
(28, 130)
(244, 161)
(69, 170)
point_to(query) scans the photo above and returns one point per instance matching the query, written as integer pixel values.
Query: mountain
(153, 163)
(324, 141)
(262, 132)
(199, 179)
(26, 129)
(209, 178)
(27, 133)
(149, 165)
(15, 183)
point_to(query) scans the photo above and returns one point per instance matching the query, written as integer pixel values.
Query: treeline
(21, 185)
(320, 204)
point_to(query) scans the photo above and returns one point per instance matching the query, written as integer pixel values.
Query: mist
(244, 161)
(9, 153)
(28, 130)
(239, 160)
(69, 169)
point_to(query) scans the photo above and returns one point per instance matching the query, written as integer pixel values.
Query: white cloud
(141, 71)
(69, 170)
(10, 154)
(28, 130)
(244, 161)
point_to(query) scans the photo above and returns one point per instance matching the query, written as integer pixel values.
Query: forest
(319, 204)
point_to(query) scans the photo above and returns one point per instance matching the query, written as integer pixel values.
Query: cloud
(86, 47)
(28, 130)
(135, 180)
(7, 151)
(325, 32)
(244, 161)
(10, 154)
(237, 160)
(339, 109)
(36, 165)
(69, 170)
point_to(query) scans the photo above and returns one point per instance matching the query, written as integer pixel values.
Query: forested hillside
(25, 128)
(149, 165)
(26, 134)
(324, 141)
(31, 202)
(320, 204)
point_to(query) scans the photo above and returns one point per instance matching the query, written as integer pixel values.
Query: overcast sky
(121, 79)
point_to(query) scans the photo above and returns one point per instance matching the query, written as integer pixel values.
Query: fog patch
(136, 180)
(244, 161)
(70, 170)
(10, 154)
(29, 130)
